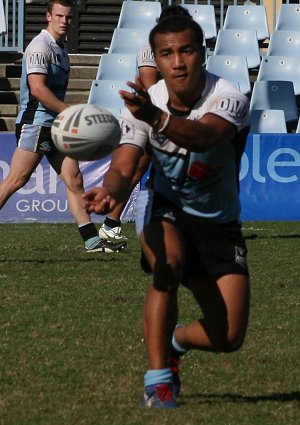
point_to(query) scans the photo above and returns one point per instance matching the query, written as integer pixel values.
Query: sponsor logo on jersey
(37, 60)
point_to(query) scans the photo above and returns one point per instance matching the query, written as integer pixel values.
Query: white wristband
(165, 124)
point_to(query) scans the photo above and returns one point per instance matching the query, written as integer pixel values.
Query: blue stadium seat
(127, 40)
(231, 68)
(267, 121)
(281, 68)
(298, 126)
(275, 95)
(288, 17)
(117, 66)
(105, 93)
(3, 28)
(239, 43)
(248, 17)
(139, 14)
(284, 43)
(204, 15)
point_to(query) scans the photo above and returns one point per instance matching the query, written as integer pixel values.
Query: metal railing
(13, 39)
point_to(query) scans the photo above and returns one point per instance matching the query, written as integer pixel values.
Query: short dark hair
(66, 3)
(176, 23)
(174, 9)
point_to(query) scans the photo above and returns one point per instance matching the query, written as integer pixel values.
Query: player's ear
(203, 54)
(48, 16)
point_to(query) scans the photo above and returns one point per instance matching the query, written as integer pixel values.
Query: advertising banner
(269, 183)
(43, 198)
(270, 178)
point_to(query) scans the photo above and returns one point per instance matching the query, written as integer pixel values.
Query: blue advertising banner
(269, 178)
(43, 198)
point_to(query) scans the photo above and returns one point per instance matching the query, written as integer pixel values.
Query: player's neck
(183, 102)
(57, 37)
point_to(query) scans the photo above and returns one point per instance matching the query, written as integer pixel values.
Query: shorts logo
(45, 147)
(240, 256)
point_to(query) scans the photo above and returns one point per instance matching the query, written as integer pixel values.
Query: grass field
(71, 349)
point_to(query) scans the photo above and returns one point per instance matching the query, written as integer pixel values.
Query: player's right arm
(38, 89)
(117, 184)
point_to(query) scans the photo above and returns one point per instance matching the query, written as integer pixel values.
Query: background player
(45, 73)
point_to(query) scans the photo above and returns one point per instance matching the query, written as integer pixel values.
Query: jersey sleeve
(134, 132)
(231, 105)
(145, 57)
(38, 58)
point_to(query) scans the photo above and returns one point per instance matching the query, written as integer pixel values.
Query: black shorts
(35, 138)
(211, 248)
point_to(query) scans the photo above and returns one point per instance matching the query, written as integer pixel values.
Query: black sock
(88, 231)
(110, 222)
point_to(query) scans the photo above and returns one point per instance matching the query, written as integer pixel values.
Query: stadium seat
(204, 15)
(284, 43)
(2, 19)
(298, 126)
(231, 68)
(117, 66)
(288, 17)
(248, 17)
(127, 40)
(105, 93)
(281, 68)
(267, 121)
(139, 14)
(239, 43)
(275, 95)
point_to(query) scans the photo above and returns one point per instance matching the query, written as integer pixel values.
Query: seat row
(122, 66)
(232, 60)
(141, 14)
(266, 98)
(229, 42)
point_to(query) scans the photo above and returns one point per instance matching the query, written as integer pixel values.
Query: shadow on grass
(82, 260)
(255, 236)
(296, 236)
(237, 398)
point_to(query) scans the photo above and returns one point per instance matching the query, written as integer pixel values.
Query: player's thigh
(224, 301)
(68, 170)
(23, 164)
(163, 246)
(235, 292)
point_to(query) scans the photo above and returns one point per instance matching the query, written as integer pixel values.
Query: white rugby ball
(86, 132)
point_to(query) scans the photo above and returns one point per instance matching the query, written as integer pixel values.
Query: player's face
(180, 59)
(58, 21)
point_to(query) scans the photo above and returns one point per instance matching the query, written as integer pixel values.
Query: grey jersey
(145, 57)
(43, 56)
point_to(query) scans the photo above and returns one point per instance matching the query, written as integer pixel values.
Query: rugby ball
(86, 132)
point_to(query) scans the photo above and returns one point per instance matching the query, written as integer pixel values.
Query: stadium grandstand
(239, 32)
(96, 21)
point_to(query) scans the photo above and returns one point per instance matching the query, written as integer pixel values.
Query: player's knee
(234, 342)
(74, 183)
(16, 183)
(167, 275)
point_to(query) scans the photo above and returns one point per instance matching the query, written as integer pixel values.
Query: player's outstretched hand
(97, 200)
(138, 101)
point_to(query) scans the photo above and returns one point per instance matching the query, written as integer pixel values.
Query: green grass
(71, 349)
